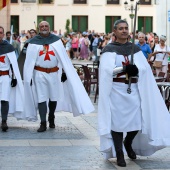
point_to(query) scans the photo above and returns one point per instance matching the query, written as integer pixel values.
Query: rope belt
(3, 73)
(123, 80)
(46, 70)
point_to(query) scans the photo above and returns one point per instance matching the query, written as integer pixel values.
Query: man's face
(32, 33)
(8, 36)
(156, 39)
(1, 34)
(141, 38)
(122, 31)
(44, 28)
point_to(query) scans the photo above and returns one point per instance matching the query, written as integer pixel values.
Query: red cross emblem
(126, 61)
(2, 59)
(46, 52)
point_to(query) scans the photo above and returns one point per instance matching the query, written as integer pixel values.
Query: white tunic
(71, 95)
(155, 118)
(46, 83)
(122, 111)
(5, 80)
(15, 95)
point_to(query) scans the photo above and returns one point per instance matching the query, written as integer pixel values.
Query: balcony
(112, 1)
(145, 2)
(46, 1)
(28, 1)
(80, 2)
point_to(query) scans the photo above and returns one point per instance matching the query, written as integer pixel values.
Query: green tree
(67, 26)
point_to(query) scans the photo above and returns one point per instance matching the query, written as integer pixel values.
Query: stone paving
(72, 145)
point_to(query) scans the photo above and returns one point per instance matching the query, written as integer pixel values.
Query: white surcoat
(145, 105)
(70, 95)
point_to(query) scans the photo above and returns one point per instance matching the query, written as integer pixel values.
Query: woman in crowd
(75, 43)
(84, 53)
(68, 44)
(161, 53)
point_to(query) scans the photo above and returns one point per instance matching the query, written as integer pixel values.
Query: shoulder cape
(39, 40)
(5, 47)
(121, 49)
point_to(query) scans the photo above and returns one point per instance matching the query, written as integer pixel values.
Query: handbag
(157, 64)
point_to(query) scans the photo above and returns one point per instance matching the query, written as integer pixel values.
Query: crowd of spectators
(88, 45)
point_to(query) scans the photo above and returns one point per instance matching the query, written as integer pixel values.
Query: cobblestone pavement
(72, 145)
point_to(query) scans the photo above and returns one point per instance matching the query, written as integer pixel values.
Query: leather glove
(63, 77)
(131, 70)
(13, 82)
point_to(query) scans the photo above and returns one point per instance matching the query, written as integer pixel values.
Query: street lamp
(131, 7)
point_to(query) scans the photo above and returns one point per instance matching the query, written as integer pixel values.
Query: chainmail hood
(121, 49)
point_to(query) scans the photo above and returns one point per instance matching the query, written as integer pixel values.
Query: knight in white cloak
(11, 87)
(140, 118)
(50, 75)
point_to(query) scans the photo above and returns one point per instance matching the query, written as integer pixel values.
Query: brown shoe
(43, 127)
(4, 126)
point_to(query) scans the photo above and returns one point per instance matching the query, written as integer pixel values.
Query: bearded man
(45, 70)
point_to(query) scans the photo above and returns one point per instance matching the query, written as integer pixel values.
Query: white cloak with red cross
(16, 98)
(72, 95)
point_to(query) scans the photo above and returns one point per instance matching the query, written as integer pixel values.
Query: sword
(133, 46)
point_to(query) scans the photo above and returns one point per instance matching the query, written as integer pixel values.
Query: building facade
(98, 15)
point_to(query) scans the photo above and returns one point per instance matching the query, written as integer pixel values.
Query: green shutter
(83, 23)
(15, 23)
(75, 23)
(140, 23)
(108, 24)
(148, 24)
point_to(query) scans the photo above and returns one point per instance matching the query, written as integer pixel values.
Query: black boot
(51, 119)
(118, 141)
(128, 144)
(120, 158)
(4, 126)
(43, 127)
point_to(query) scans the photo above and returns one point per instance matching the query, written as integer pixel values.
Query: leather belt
(46, 70)
(3, 73)
(123, 80)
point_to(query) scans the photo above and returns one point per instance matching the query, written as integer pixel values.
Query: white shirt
(162, 56)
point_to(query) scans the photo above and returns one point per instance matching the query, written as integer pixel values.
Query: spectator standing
(75, 43)
(145, 48)
(94, 45)
(84, 47)
(161, 53)
(22, 39)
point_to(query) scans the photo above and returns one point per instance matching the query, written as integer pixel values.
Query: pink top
(75, 43)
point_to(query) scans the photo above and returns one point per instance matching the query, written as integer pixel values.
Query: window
(15, 23)
(49, 19)
(145, 24)
(79, 23)
(80, 1)
(46, 1)
(112, 1)
(109, 21)
(145, 2)
(28, 1)
(14, 1)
